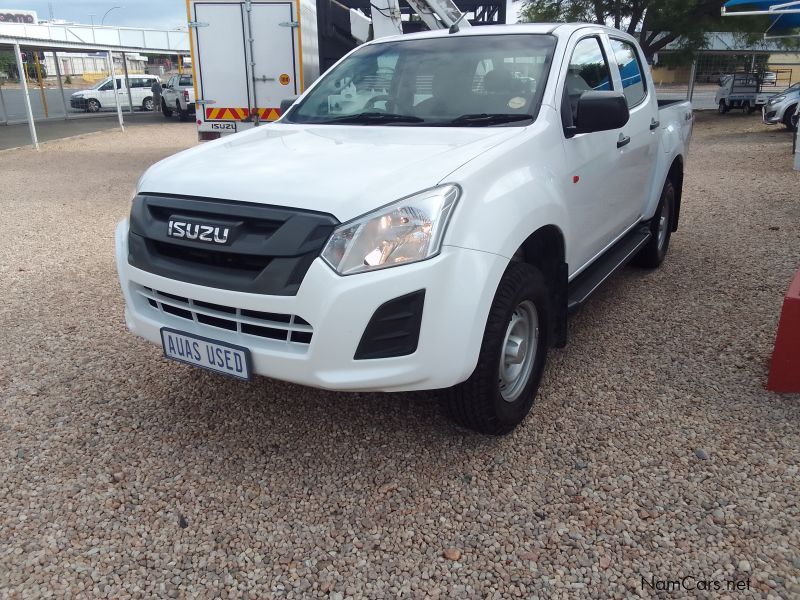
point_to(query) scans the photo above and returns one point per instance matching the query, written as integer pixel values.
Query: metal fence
(699, 80)
(43, 68)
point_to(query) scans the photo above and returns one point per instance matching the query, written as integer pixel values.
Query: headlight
(400, 233)
(777, 99)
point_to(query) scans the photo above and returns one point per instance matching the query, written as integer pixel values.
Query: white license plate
(213, 355)
(224, 126)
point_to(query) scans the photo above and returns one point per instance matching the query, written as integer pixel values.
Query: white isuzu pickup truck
(424, 216)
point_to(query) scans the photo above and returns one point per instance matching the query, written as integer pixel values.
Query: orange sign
(284, 79)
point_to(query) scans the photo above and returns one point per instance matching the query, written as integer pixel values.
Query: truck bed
(665, 103)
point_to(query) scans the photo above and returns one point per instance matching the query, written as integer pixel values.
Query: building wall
(670, 75)
(90, 67)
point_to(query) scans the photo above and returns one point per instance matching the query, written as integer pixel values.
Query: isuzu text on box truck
(423, 217)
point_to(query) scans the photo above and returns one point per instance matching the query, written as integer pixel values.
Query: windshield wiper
(367, 118)
(485, 119)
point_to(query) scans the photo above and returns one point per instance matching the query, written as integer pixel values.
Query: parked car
(431, 234)
(102, 94)
(178, 95)
(782, 107)
(737, 90)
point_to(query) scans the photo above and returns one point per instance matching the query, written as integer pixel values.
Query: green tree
(655, 23)
(7, 63)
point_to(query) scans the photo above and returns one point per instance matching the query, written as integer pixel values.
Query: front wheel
(147, 104)
(92, 106)
(788, 120)
(500, 392)
(654, 251)
(722, 108)
(166, 109)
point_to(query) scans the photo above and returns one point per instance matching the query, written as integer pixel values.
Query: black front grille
(204, 256)
(268, 251)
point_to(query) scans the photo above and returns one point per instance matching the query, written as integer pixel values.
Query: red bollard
(784, 372)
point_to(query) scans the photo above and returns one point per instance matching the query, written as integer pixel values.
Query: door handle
(623, 140)
(654, 124)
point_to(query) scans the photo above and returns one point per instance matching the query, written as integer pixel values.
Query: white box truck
(248, 56)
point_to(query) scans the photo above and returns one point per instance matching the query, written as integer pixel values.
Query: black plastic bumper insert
(394, 328)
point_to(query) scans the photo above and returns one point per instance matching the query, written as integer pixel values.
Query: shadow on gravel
(266, 411)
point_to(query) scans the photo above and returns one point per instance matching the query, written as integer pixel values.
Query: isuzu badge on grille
(202, 232)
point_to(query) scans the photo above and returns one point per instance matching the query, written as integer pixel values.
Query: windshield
(479, 80)
(101, 83)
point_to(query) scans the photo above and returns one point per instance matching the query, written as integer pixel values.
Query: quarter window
(630, 71)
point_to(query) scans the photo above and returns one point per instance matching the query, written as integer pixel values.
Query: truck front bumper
(459, 287)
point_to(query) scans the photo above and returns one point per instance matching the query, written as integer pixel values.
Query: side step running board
(604, 267)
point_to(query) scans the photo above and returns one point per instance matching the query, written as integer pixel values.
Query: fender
(511, 191)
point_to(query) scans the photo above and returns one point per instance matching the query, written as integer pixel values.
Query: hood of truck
(342, 170)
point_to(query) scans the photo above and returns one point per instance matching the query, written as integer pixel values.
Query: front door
(595, 204)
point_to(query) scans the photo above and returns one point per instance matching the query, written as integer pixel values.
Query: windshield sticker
(516, 102)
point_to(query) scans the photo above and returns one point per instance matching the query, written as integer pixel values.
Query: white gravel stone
(124, 475)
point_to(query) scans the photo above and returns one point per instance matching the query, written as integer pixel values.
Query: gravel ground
(653, 452)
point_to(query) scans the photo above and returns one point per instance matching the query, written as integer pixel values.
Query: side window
(588, 70)
(630, 71)
(119, 84)
(186, 80)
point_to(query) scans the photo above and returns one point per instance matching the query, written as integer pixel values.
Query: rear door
(140, 89)
(274, 68)
(638, 156)
(221, 61)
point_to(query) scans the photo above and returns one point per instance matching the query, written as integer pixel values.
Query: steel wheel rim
(663, 225)
(520, 346)
(148, 105)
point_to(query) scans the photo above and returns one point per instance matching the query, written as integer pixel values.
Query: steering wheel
(370, 104)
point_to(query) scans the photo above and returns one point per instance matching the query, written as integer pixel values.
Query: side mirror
(600, 111)
(287, 104)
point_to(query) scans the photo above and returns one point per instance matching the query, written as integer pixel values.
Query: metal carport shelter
(83, 38)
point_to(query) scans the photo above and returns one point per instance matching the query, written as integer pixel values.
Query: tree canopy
(655, 23)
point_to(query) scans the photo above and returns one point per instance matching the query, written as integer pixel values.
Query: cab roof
(557, 29)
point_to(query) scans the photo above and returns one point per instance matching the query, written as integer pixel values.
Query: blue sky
(134, 13)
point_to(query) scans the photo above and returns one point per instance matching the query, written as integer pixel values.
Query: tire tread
(470, 402)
